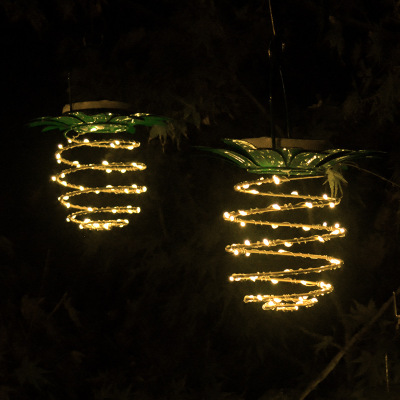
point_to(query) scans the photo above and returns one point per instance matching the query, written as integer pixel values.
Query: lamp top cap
(96, 105)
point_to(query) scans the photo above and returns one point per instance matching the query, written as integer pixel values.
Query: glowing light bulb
(276, 207)
(277, 181)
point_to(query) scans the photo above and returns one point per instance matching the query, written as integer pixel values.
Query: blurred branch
(373, 173)
(247, 92)
(335, 360)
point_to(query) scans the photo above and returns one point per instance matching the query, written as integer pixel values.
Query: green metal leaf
(105, 122)
(240, 145)
(267, 158)
(131, 129)
(307, 160)
(236, 158)
(150, 120)
(288, 161)
(51, 125)
(288, 154)
(122, 119)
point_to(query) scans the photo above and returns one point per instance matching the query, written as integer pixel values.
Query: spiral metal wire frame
(84, 214)
(279, 247)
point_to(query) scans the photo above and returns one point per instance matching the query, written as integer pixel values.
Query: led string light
(79, 128)
(279, 247)
(84, 215)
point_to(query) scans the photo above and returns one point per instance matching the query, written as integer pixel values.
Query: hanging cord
(275, 50)
(69, 92)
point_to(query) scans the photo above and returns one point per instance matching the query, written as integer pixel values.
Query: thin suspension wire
(69, 92)
(271, 79)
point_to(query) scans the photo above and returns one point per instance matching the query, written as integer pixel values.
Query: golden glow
(90, 216)
(324, 232)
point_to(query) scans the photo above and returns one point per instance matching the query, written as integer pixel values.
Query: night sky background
(147, 312)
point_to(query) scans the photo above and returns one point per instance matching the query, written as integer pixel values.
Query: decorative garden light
(286, 166)
(98, 131)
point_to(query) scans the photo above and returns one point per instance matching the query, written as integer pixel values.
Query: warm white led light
(318, 232)
(277, 181)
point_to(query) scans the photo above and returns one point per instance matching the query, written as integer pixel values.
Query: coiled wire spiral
(278, 247)
(84, 214)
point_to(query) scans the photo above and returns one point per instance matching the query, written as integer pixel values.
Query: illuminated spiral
(279, 247)
(94, 217)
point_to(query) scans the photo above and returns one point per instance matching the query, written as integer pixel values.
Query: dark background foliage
(146, 312)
